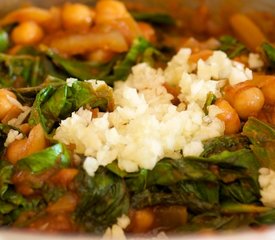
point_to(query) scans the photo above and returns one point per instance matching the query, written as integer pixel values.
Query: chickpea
(108, 10)
(5, 104)
(35, 142)
(27, 33)
(77, 17)
(248, 102)
(229, 116)
(268, 91)
(16, 150)
(230, 91)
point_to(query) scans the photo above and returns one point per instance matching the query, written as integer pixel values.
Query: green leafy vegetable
(222, 143)
(262, 137)
(266, 218)
(103, 198)
(11, 202)
(4, 40)
(117, 69)
(154, 18)
(21, 68)
(269, 51)
(135, 54)
(53, 104)
(210, 99)
(199, 183)
(81, 69)
(56, 155)
(231, 46)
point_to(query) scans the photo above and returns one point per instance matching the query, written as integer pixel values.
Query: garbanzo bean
(35, 142)
(248, 102)
(77, 17)
(108, 10)
(268, 91)
(27, 33)
(229, 116)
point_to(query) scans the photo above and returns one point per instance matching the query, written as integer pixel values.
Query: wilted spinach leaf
(154, 18)
(53, 104)
(222, 143)
(262, 137)
(103, 198)
(269, 51)
(231, 46)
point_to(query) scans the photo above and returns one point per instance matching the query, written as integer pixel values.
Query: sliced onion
(72, 44)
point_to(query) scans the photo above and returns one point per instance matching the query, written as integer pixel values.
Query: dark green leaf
(6, 171)
(269, 51)
(137, 182)
(154, 18)
(113, 167)
(54, 104)
(231, 46)
(123, 68)
(37, 116)
(227, 142)
(262, 136)
(103, 198)
(175, 196)
(267, 217)
(169, 171)
(242, 191)
(17, 67)
(81, 69)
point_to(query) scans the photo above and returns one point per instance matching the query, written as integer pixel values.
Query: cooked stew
(121, 119)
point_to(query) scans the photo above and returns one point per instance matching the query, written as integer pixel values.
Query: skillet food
(121, 120)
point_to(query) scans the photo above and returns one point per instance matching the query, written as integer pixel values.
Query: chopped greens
(262, 136)
(231, 46)
(269, 52)
(104, 198)
(154, 18)
(54, 104)
(11, 202)
(110, 119)
(4, 40)
(123, 68)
